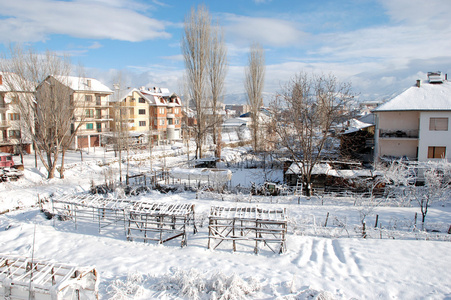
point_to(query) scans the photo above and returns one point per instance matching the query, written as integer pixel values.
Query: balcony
(5, 123)
(170, 116)
(399, 134)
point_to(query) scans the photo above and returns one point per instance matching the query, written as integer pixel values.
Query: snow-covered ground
(326, 261)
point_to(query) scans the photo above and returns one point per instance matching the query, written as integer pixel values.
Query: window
(142, 111)
(142, 100)
(170, 110)
(89, 126)
(14, 117)
(162, 122)
(176, 110)
(438, 124)
(170, 122)
(88, 98)
(98, 100)
(436, 152)
(177, 121)
(142, 123)
(162, 110)
(14, 134)
(89, 113)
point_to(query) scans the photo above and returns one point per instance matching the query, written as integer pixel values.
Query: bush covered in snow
(189, 284)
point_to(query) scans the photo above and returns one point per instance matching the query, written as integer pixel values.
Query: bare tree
(436, 188)
(254, 84)
(47, 111)
(304, 114)
(196, 51)
(121, 112)
(217, 72)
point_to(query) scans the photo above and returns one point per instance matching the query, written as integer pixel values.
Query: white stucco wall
(398, 147)
(398, 120)
(430, 138)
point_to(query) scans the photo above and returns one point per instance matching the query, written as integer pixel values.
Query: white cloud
(178, 57)
(95, 45)
(267, 31)
(30, 21)
(435, 13)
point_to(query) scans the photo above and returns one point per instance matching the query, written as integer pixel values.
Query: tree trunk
(63, 153)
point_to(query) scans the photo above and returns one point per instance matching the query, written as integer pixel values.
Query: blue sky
(380, 46)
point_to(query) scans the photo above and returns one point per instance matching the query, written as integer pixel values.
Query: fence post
(327, 218)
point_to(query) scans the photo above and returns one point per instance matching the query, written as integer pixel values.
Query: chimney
(446, 77)
(1, 79)
(88, 82)
(418, 82)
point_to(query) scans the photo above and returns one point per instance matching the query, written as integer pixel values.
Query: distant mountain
(241, 98)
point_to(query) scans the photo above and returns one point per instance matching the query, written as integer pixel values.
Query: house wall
(137, 117)
(391, 122)
(398, 148)
(98, 114)
(431, 138)
(12, 133)
(398, 120)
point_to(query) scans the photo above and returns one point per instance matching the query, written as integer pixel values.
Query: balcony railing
(5, 123)
(399, 134)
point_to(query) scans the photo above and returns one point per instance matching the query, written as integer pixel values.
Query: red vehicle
(6, 160)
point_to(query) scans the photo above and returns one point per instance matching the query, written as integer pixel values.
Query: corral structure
(141, 220)
(91, 209)
(26, 278)
(160, 222)
(215, 178)
(248, 224)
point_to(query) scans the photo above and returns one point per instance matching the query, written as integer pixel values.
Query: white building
(416, 123)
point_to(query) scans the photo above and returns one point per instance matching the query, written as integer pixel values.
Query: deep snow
(332, 262)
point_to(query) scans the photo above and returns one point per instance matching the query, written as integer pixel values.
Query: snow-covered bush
(309, 294)
(130, 288)
(193, 284)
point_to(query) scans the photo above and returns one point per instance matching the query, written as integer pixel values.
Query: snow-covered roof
(355, 125)
(426, 97)
(163, 92)
(236, 122)
(18, 84)
(318, 169)
(84, 84)
(327, 169)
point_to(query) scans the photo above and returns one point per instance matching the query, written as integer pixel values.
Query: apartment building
(91, 101)
(12, 137)
(416, 123)
(151, 112)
